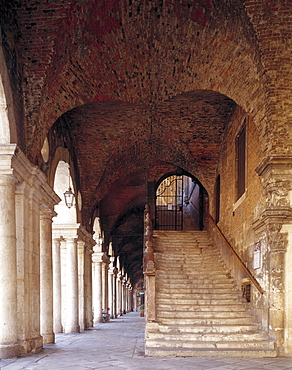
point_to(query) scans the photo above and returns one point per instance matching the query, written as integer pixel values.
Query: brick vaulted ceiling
(140, 86)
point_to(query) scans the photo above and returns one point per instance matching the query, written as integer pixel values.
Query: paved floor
(119, 344)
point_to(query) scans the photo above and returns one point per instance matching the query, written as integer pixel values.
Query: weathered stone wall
(237, 215)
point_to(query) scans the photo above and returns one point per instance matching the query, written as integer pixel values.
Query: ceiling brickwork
(135, 88)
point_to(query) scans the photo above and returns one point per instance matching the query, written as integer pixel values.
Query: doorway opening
(180, 203)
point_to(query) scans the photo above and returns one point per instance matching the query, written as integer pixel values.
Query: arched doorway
(180, 202)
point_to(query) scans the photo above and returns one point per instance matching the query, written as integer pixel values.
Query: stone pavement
(119, 344)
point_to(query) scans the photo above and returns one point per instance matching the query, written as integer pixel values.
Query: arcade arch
(8, 133)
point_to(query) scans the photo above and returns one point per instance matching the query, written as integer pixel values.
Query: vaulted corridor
(123, 118)
(119, 344)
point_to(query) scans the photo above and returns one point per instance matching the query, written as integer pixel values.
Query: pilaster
(272, 222)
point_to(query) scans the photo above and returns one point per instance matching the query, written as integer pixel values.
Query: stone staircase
(199, 309)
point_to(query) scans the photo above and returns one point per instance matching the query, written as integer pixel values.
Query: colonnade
(53, 278)
(72, 278)
(112, 290)
(27, 204)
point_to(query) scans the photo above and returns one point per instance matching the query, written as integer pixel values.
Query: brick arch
(150, 55)
(8, 132)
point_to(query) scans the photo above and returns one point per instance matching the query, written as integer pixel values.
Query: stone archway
(7, 119)
(180, 202)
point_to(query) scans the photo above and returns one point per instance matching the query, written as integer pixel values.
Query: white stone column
(58, 328)
(134, 292)
(123, 295)
(104, 283)
(114, 293)
(88, 288)
(97, 286)
(63, 253)
(46, 276)
(8, 272)
(111, 287)
(81, 283)
(72, 315)
(34, 337)
(119, 294)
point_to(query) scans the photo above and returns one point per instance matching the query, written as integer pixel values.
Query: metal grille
(169, 204)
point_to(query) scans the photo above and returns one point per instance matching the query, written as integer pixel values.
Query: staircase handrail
(246, 270)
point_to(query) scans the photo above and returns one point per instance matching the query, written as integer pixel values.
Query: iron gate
(169, 204)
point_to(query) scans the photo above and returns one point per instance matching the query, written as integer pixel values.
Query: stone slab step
(200, 311)
(205, 321)
(193, 290)
(191, 284)
(198, 295)
(264, 344)
(197, 301)
(172, 307)
(201, 315)
(208, 337)
(206, 352)
(208, 329)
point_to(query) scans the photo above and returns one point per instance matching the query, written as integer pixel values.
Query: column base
(33, 345)
(58, 329)
(9, 350)
(72, 329)
(48, 338)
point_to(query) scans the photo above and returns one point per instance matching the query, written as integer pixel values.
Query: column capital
(47, 213)
(274, 162)
(66, 231)
(97, 257)
(86, 236)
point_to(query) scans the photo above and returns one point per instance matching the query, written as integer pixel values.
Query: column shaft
(57, 286)
(8, 274)
(81, 283)
(46, 277)
(72, 325)
(97, 287)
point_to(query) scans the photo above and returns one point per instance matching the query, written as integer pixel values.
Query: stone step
(205, 321)
(191, 274)
(173, 307)
(208, 337)
(198, 282)
(191, 284)
(203, 315)
(252, 344)
(208, 329)
(206, 352)
(200, 311)
(199, 301)
(200, 274)
(182, 247)
(166, 289)
(198, 296)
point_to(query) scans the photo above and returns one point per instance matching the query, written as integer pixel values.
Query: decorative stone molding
(270, 219)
